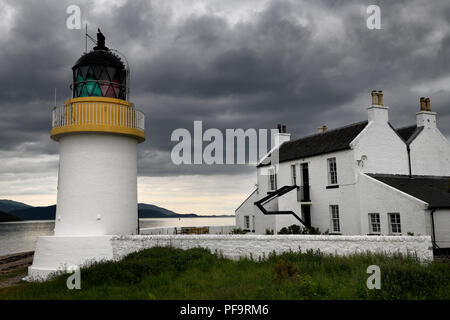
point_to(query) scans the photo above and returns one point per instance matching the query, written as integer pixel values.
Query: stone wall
(235, 246)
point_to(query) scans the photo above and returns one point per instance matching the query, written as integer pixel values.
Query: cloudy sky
(230, 63)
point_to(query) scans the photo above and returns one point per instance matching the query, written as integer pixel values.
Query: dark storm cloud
(302, 63)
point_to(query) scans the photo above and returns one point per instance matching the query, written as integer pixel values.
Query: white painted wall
(236, 246)
(97, 185)
(384, 149)
(442, 227)
(247, 208)
(377, 197)
(430, 153)
(321, 197)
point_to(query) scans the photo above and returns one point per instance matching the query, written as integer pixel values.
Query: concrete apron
(57, 254)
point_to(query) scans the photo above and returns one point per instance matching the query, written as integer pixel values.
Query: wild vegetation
(168, 273)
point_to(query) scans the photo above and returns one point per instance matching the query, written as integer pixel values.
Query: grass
(168, 273)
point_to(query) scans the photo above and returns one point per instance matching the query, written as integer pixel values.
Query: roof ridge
(328, 131)
(404, 127)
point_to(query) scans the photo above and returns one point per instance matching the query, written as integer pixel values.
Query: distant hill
(145, 211)
(9, 205)
(4, 217)
(36, 213)
(149, 209)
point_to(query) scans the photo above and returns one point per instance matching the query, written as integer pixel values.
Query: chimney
(322, 129)
(281, 136)
(425, 117)
(378, 112)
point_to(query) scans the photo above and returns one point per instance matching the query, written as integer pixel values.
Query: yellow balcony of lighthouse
(98, 114)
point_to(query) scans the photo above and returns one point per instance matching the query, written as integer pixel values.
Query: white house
(367, 178)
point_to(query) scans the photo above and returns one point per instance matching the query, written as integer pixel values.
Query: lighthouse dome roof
(97, 56)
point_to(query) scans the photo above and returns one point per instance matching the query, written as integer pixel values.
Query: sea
(21, 236)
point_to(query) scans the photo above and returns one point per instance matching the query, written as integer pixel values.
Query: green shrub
(296, 229)
(238, 231)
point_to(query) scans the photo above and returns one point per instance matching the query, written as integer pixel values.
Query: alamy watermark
(374, 280)
(74, 280)
(235, 146)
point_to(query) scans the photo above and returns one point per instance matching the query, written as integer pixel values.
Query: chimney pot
(374, 97)
(427, 104)
(283, 129)
(279, 127)
(380, 98)
(422, 104)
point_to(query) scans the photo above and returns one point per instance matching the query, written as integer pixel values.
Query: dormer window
(332, 171)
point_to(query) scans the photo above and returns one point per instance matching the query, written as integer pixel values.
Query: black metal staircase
(274, 194)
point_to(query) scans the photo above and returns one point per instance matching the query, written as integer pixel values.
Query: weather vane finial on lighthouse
(100, 41)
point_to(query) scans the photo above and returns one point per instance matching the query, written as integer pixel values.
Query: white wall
(442, 227)
(430, 153)
(235, 246)
(377, 197)
(97, 185)
(247, 208)
(385, 150)
(321, 198)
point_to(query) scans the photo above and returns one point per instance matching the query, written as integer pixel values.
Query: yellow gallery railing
(98, 114)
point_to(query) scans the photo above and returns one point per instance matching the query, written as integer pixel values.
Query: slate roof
(331, 141)
(432, 189)
(408, 134)
(320, 143)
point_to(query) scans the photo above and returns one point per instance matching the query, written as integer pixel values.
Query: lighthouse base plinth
(60, 254)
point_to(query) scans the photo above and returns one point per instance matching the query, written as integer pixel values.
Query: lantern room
(100, 73)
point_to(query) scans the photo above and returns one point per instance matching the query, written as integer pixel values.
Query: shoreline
(50, 221)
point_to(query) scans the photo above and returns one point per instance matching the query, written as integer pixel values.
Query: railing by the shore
(185, 230)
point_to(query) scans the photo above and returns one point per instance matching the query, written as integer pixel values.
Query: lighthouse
(98, 130)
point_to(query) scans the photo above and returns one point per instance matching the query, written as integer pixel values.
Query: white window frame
(332, 171)
(374, 220)
(334, 217)
(272, 180)
(247, 222)
(294, 174)
(395, 225)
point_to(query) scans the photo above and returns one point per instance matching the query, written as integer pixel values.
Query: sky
(229, 63)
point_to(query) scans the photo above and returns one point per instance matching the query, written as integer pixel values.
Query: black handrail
(278, 193)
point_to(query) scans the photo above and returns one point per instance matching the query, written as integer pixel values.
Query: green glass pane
(83, 71)
(84, 91)
(95, 90)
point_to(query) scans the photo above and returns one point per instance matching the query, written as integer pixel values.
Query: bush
(269, 232)
(238, 231)
(296, 229)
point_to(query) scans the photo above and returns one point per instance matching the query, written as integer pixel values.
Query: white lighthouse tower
(98, 130)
